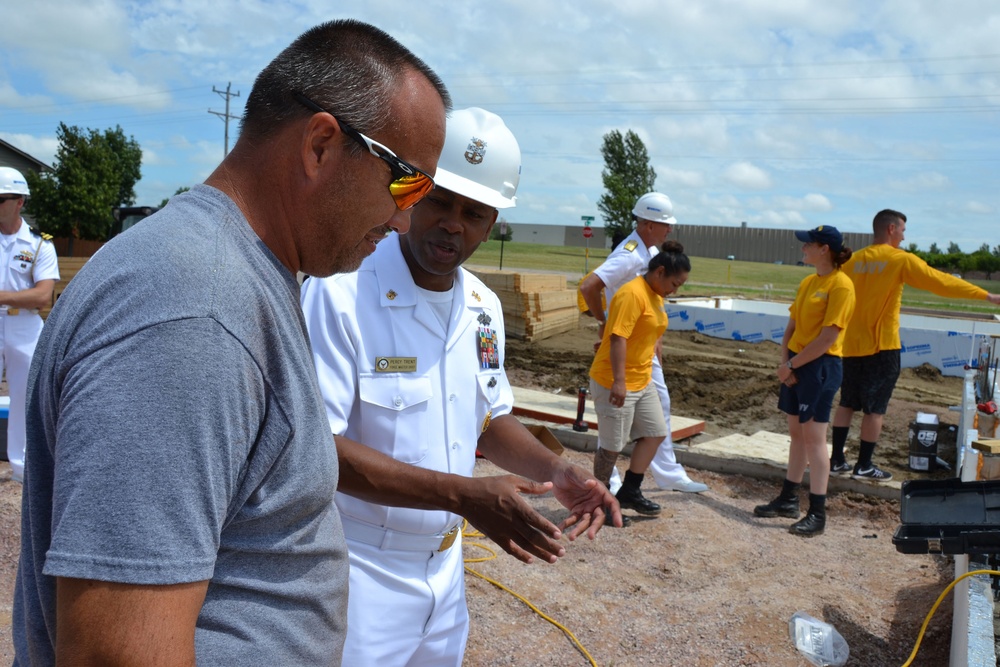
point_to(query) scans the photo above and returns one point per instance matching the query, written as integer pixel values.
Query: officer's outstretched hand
(495, 506)
(590, 503)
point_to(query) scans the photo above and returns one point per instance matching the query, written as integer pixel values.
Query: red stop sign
(587, 232)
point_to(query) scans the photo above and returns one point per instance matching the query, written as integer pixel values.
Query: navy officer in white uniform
(654, 220)
(29, 271)
(410, 357)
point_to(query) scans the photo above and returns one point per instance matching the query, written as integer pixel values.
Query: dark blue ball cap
(823, 235)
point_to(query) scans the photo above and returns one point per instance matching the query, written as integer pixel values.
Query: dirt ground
(732, 386)
(706, 583)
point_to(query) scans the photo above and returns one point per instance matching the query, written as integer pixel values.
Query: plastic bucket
(923, 446)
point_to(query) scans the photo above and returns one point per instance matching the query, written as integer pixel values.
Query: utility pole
(225, 116)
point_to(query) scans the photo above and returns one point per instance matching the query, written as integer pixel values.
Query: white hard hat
(481, 159)
(655, 206)
(12, 182)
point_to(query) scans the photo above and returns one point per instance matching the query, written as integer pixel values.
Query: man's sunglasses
(409, 185)
(4, 198)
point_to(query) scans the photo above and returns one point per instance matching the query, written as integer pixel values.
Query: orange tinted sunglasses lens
(408, 190)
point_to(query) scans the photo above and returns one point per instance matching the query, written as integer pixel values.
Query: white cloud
(920, 182)
(979, 208)
(680, 178)
(747, 176)
(810, 202)
(781, 219)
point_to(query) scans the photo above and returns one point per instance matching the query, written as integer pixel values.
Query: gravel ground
(708, 583)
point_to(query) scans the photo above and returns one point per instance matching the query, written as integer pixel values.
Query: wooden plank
(988, 445)
(520, 281)
(535, 302)
(561, 409)
(68, 268)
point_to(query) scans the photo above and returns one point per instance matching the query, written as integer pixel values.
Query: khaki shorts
(640, 417)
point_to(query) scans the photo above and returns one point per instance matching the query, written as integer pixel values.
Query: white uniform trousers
(406, 608)
(664, 467)
(19, 335)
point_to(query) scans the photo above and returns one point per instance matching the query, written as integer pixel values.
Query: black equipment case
(949, 516)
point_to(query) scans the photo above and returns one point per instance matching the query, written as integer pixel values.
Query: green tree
(93, 172)
(495, 234)
(179, 190)
(982, 260)
(953, 249)
(913, 249)
(934, 250)
(626, 176)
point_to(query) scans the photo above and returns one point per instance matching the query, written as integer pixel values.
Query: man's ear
(486, 237)
(322, 141)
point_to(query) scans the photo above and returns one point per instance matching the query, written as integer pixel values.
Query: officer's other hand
(497, 508)
(588, 501)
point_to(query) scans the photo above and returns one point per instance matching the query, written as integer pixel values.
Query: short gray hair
(349, 68)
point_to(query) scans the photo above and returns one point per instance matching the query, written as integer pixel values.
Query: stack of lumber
(535, 305)
(68, 267)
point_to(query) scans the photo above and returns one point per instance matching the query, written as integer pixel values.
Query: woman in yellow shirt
(625, 399)
(810, 374)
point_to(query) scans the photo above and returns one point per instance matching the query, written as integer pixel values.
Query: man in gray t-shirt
(177, 504)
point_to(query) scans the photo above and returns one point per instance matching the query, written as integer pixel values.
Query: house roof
(39, 165)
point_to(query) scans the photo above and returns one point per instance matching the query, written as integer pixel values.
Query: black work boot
(809, 526)
(779, 507)
(631, 498)
(786, 504)
(814, 521)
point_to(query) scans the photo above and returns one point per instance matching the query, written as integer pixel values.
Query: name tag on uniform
(395, 364)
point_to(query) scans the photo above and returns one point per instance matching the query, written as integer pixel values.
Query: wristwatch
(788, 364)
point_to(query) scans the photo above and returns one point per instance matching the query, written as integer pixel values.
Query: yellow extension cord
(492, 555)
(923, 628)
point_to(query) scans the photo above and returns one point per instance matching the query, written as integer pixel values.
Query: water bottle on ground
(819, 642)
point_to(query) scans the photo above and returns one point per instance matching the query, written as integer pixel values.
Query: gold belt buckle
(448, 539)
(13, 311)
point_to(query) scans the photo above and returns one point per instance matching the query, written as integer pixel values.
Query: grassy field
(708, 276)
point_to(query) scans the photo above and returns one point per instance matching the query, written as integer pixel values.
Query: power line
(55, 106)
(741, 66)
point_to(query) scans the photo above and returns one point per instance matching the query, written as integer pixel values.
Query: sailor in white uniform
(29, 271)
(410, 357)
(654, 220)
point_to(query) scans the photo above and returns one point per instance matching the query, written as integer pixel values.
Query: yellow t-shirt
(637, 315)
(822, 301)
(879, 273)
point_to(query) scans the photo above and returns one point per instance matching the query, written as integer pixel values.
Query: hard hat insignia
(475, 151)
(390, 295)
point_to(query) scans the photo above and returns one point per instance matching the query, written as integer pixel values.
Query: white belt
(384, 538)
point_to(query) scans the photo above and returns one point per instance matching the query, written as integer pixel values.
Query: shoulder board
(631, 245)
(45, 237)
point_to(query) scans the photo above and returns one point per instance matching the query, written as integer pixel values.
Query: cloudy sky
(780, 113)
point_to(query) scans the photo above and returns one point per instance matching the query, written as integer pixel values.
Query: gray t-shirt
(176, 434)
